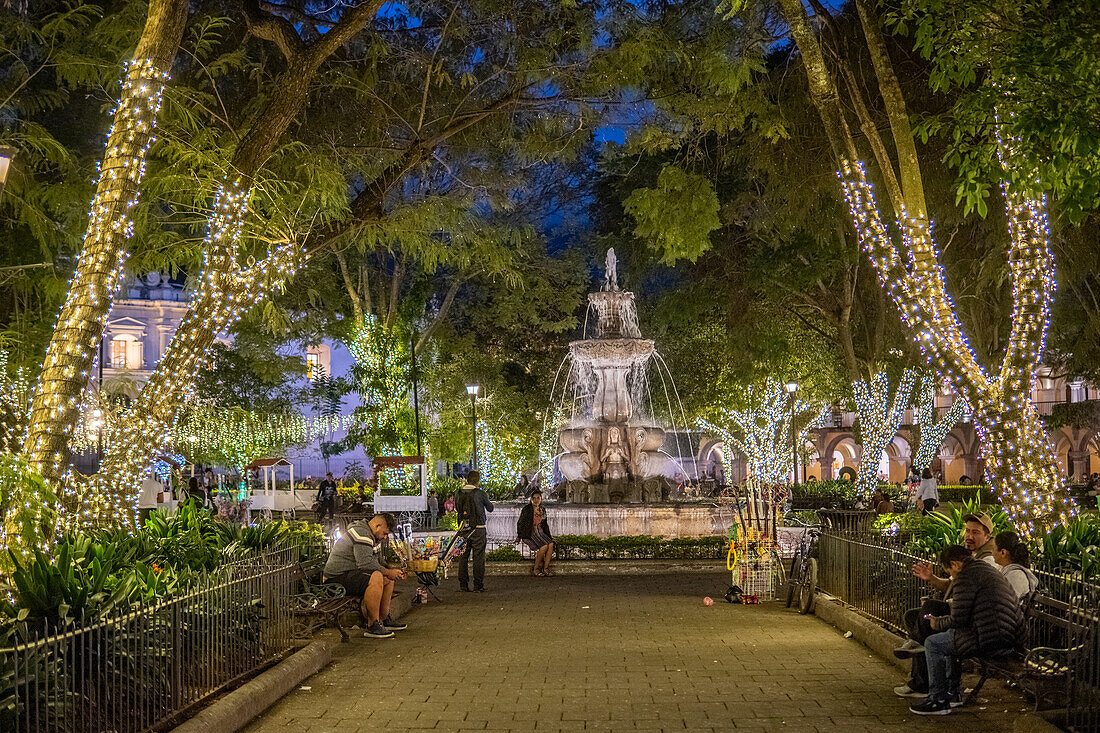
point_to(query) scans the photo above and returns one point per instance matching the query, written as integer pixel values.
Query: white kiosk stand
(408, 508)
(270, 500)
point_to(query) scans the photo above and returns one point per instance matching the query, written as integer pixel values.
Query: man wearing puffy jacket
(985, 621)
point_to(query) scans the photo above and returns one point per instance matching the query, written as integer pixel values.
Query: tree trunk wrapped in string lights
(221, 300)
(72, 350)
(1019, 459)
(762, 432)
(933, 432)
(879, 419)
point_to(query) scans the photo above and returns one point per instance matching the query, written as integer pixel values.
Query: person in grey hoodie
(357, 562)
(471, 504)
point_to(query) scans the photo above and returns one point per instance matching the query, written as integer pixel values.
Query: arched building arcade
(833, 446)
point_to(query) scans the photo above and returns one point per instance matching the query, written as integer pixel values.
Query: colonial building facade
(832, 446)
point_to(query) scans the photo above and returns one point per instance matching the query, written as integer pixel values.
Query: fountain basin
(668, 520)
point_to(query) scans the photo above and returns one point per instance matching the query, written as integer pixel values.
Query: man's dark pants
(475, 544)
(919, 630)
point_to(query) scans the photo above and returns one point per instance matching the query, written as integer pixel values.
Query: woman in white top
(928, 495)
(1013, 557)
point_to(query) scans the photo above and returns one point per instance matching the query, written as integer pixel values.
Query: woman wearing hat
(533, 529)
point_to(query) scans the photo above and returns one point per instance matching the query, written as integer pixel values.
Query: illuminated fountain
(617, 444)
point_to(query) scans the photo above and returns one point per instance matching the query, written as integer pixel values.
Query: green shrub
(951, 494)
(508, 553)
(449, 521)
(832, 494)
(638, 547)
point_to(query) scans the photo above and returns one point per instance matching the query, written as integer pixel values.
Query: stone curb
(235, 710)
(883, 643)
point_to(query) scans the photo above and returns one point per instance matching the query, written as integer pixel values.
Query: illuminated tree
(763, 431)
(879, 418)
(237, 437)
(501, 459)
(933, 432)
(72, 349)
(1020, 461)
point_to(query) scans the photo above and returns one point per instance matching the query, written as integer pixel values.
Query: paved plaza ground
(618, 653)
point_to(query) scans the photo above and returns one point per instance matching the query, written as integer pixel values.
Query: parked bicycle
(803, 575)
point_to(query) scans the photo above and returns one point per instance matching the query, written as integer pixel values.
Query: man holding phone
(977, 538)
(357, 562)
(984, 621)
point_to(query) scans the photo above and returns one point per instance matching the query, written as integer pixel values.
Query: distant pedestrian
(195, 492)
(149, 497)
(433, 508)
(326, 498)
(928, 495)
(449, 505)
(472, 504)
(523, 488)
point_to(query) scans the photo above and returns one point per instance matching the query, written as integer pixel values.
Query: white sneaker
(906, 691)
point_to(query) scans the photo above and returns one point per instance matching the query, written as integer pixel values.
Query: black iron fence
(143, 668)
(874, 576)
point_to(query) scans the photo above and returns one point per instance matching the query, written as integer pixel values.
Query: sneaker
(931, 706)
(956, 700)
(464, 588)
(377, 631)
(907, 691)
(393, 624)
(908, 649)
(480, 590)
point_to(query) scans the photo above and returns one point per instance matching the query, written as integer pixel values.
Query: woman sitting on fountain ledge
(533, 529)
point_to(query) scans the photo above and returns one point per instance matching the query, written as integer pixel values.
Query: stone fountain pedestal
(668, 520)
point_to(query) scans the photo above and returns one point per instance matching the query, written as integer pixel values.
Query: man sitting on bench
(357, 562)
(984, 621)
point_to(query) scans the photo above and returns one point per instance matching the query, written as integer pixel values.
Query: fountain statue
(612, 448)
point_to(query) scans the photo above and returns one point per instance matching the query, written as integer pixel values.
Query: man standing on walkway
(472, 503)
(357, 562)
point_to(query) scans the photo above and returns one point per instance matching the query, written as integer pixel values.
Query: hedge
(633, 547)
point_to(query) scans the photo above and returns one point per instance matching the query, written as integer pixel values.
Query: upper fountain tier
(616, 314)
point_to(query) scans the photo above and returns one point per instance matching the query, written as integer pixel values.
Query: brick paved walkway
(619, 653)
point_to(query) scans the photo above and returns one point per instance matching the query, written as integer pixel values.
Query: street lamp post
(791, 388)
(472, 390)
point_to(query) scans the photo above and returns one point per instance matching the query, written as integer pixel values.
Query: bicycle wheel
(807, 587)
(793, 580)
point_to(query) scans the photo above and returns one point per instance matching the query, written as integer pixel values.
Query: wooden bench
(318, 604)
(1059, 639)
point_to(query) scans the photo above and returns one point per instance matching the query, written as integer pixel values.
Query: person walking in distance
(433, 508)
(472, 503)
(326, 497)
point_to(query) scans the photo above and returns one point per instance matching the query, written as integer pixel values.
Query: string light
(221, 299)
(933, 432)
(879, 419)
(1020, 461)
(762, 433)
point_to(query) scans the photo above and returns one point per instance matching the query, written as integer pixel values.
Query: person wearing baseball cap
(978, 536)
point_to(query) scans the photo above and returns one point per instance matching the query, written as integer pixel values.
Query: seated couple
(357, 562)
(533, 529)
(980, 614)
